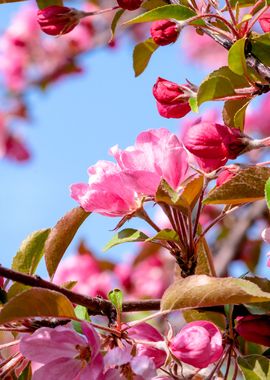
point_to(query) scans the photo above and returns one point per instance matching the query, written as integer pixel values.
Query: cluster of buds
(172, 99)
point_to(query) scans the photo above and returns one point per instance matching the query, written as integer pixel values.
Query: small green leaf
(152, 4)
(115, 21)
(193, 104)
(30, 252)
(47, 3)
(178, 12)
(116, 298)
(254, 367)
(61, 236)
(214, 88)
(267, 192)
(203, 291)
(37, 302)
(246, 186)
(15, 289)
(125, 236)
(165, 194)
(82, 313)
(142, 54)
(167, 235)
(236, 57)
(203, 252)
(234, 113)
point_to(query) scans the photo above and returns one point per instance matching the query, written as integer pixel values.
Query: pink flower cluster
(63, 352)
(117, 189)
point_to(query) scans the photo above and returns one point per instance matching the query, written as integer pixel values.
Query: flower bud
(172, 99)
(130, 5)
(164, 32)
(1, 282)
(254, 328)
(55, 20)
(228, 173)
(264, 21)
(199, 343)
(214, 144)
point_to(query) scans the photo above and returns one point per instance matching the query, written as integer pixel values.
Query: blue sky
(74, 124)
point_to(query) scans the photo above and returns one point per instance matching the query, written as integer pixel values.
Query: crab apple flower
(199, 343)
(172, 102)
(107, 192)
(264, 22)
(214, 144)
(141, 366)
(55, 20)
(64, 353)
(157, 154)
(254, 328)
(164, 32)
(146, 332)
(130, 5)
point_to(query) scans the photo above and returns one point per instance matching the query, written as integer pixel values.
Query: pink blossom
(157, 154)
(164, 32)
(107, 192)
(199, 343)
(64, 353)
(55, 20)
(141, 366)
(146, 332)
(214, 144)
(264, 21)
(228, 173)
(85, 270)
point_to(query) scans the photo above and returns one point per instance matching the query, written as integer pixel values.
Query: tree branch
(95, 305)
(230, 247)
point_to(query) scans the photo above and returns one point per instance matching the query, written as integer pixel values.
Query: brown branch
(95, 305)
(251, 60)
(230, 247)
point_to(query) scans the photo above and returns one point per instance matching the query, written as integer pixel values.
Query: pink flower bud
(228, 173)
(1, 282)
(55, 20)
(254, 328)
(199, 343)
(164, 32)
(264, 21)
(214, 144)
(172, 101)
(130, 5)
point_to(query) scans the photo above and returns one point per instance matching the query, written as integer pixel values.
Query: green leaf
(152, 4)
(37, 302)
(193, 104)
(202, 291)
(246, 186)
(116, 298)
(236, 57)
(166, 234)
(30, 252)
(15, 289)
(142, 54)
(191, 189)
(267, 192)
(82, 313)
(115, 21)
(203, 252)
(254, 367)
(46, 3)
(178, 12)
(214, 88)
(61, 236)
(234, 113)
(260, 47)
(218, 319)
(165, 194)
(127, 235)
(259, 307)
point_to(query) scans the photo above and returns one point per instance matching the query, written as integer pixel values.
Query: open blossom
(64, 353)
(55, 20)
(146, 332)
(254, 328)
(172, 102)
(117, 189)
(164, 32)
(199, 343)
(214, 144)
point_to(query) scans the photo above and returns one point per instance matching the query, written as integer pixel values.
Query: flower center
(84, 353)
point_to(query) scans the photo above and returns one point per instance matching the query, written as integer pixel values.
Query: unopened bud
(264, 21)
(164, 32)
(130, 5)
(254, 328)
